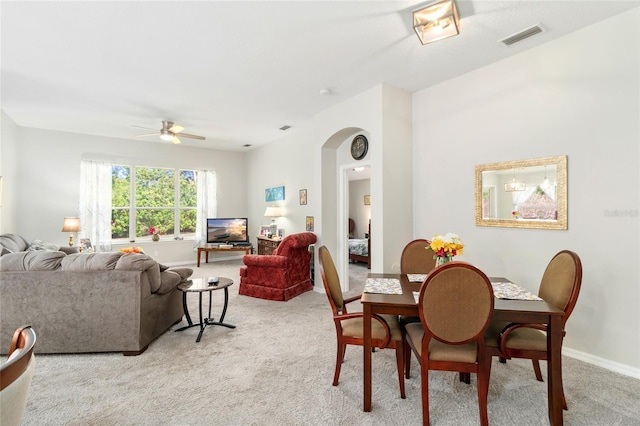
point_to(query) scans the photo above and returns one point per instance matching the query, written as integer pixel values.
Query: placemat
(383, 286)
(511, 291)
(416, 278)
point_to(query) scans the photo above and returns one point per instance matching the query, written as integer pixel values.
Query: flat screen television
(227, 230)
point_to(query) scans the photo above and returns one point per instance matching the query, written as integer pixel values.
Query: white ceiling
(237, 71)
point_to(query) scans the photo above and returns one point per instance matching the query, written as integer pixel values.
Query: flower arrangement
(515, 214)
(446, 247)
(132, 250)
(155, 233)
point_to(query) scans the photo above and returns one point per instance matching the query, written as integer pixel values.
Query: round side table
(200, 286)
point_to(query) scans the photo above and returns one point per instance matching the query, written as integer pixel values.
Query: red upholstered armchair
(282, 275)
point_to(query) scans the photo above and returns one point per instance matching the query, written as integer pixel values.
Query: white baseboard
(604, 363)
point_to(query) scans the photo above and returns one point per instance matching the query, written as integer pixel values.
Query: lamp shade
(71, 224)
(273, 211)
(436, 21)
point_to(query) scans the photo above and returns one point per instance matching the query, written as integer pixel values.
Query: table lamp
(273, 212)
(71, 225)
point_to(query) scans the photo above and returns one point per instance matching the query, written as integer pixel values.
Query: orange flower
(132, 250)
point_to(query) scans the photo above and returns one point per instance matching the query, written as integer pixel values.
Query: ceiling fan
(170, 133)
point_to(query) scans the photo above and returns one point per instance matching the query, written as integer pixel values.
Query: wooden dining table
(525, 311)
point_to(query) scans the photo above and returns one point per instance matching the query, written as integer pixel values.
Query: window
(143, 198)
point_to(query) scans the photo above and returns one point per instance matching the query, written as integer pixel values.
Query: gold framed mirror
(523, 193)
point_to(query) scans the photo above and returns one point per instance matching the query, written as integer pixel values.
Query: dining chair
(15, 376)
(385, 330)
(417, 258)
(455, 307)
(560, 287)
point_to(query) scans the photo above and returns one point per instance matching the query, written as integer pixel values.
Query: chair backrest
(417, 258)
(561, 281)
(295, 243)
(331, 280)
(15, 376)
(456, 303)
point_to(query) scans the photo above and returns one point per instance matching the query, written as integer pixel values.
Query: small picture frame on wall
(309, 222)
(303, 197)
(367, 200)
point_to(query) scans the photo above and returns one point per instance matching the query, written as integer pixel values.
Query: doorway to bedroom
(359, 220)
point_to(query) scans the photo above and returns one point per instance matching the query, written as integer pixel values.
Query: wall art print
(274, 194)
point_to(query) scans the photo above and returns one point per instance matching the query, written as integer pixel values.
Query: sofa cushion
(32, 261)
(13, 242)
(90, 261)
(168, 281)
(141, 262)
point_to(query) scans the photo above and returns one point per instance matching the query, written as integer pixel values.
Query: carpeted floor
(276, 368)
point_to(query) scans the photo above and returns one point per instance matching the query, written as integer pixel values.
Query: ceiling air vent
(285, 127)
(519, 36)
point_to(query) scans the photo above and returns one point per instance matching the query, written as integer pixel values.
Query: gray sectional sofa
(86, 302)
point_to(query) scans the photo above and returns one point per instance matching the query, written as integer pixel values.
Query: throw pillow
(41, 245)
(5, 251)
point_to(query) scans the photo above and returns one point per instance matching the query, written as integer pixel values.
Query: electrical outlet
(155, 253)
(395, 267)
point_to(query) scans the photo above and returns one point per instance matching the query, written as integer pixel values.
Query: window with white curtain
(125, 202)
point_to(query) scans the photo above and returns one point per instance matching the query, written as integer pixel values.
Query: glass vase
(442, 260)
(155, 237)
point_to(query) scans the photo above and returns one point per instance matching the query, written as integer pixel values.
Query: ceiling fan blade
(146, 128)
(175, 140)
(148, 134)
(176, 129)
(186, 135)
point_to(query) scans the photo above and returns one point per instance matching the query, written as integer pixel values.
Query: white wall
(577, 96)
(48, 180)
(286, 162)
(8, 171)
(383, 113)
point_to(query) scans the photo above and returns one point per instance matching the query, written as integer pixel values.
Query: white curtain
(207, 204)
(95, 203)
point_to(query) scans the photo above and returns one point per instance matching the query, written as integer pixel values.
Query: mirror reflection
(523, 194)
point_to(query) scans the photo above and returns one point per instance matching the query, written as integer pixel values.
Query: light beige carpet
(276, 368)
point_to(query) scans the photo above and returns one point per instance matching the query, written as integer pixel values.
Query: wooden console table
(206, 250)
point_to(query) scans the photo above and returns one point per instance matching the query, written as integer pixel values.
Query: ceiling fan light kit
(169, 133)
